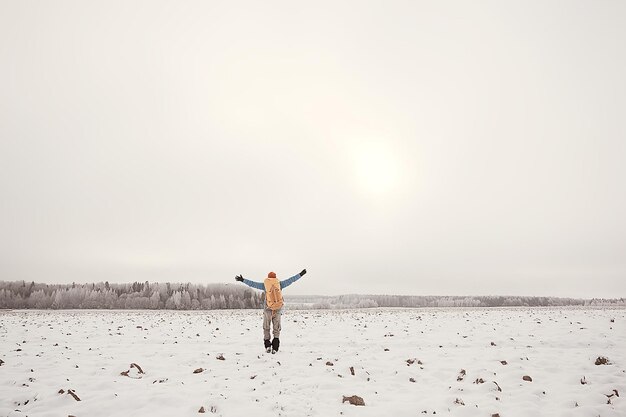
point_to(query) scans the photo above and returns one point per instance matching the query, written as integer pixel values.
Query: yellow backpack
(273, 296)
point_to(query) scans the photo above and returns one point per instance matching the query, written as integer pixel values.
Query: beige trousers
(268, 319)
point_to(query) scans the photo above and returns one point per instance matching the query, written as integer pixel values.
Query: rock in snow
(354, 400)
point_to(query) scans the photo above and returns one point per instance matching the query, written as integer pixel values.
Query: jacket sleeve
(254, 284)
(284, 284)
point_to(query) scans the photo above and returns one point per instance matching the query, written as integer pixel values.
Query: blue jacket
(260, 286)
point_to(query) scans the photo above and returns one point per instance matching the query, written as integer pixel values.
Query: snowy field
(402, 362)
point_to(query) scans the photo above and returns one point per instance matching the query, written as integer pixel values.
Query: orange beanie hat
(271, 275)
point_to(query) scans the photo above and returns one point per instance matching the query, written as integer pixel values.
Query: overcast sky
(406, 147)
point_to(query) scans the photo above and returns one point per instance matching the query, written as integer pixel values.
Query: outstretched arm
(253, 284)
(284, 284)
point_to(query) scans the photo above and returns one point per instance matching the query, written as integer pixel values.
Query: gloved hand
(239, 278)
(303, 272)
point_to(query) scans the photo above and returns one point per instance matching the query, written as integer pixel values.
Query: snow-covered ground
(406, 362)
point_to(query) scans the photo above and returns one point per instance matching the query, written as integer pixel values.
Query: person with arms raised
(273, 305)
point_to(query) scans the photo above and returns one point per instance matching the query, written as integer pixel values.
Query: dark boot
(275, 345)
(268, 345)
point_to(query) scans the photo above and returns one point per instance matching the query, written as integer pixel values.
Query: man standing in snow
(273, 305)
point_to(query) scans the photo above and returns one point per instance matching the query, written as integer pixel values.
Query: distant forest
(158, 296)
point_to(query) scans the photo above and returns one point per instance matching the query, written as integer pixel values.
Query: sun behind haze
(377, 169)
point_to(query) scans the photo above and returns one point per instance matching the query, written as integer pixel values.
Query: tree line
(156, 296)
(136, 295)
(369, 301)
